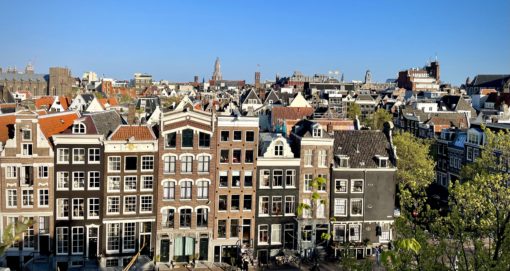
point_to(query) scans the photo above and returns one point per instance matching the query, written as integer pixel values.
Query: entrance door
(164, 248)
(246, 231)
(203, 249)
(93, 240)
(44, 244)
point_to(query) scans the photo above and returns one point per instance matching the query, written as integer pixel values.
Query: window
(290, 205)
(203, 190)
(203, 163)
(187, 164)
(128, 238)
(94, 156)
(147, 183)
(78, 208)
(236, 156)
(224, 156)
(321, 185)
(288, 236)
(113, 163)
(247, 203)
(28, 198)
(321, 209)
(264, 206)
(308, 183)
(341, 186)
(354, 232)
(129, 204)
(131, 163)
(113, 206)
(204, 140)
(202, 217)
(26, 134)
(43, 172)
(62, 240)
(27, 149)
(78, 128)
(248, 156)
(356, 186)
(238, 135)
(278, 148)
(290, 178)
(356, 207)
(78, 237)
(223, 179)
(343, 161)
(339, 232)
(225, 135)
(169, 190)
(187, 138)
(469, 153)
(277, 178)
(263, 234)
(44, 197)
(113, 184)
(306, 233)
(145, 204)
(248, 179)
(185, 218)
(113, 237)
(78, 180)
(79, 156)
(317, 132)
(322, 158)
(250, 136)
(147, 163)
(340, 207)
(93, 208)
(62, 208)
(223, 202)
(11, 172)
(276, 234)
(62, 156)
(307, 212)
(277, 206)
(12, 198)
(234, 203)
(130, 183)
(236, 178)
(308, 158)
(383, 162)
(234, 228)
(94, 180)
(264, 178)
(186, 189)
(168, 218)
(170, 140)
(169, 164)
(222, 229)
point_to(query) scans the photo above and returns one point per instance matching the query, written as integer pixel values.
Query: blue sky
(176, 40)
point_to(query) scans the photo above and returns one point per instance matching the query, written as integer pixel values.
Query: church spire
(217, 70)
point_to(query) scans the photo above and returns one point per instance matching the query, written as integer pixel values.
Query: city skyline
(176, 41)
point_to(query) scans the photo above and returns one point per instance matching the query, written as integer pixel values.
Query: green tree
(378, 118)
(13, 233)
(353, 110)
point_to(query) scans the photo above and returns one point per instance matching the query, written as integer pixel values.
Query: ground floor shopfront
(183, 247)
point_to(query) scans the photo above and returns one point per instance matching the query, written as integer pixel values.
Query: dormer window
(317, 131)
(343, 161)
(278, 149)
(79, 128)
(26, 134)
(383, 161)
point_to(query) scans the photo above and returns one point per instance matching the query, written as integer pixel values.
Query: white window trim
(258, 234)
(72, 240)
(362, 186)
(124, 204)
(261, 176)
(346, 186)
(84, 154)
(108, 205)
(57, 210)
(58, 156)
(153, 163)
(152, 203)
(88, 157)
(33, 198)
(345, 204)
(68, 181)
(122, 238)
(293, 178)
(136, 183)
(15, 172)
(359, 236)
(39, 198)
(108, 164)
(273, 226)
(350, 206)
(72, 209)
(66, 233)
(7, 205)
(88, 181)
(141, 183)
(72, 182)
(88, 209)
(108, 181)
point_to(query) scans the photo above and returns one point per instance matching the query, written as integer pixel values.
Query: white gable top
(299, 101)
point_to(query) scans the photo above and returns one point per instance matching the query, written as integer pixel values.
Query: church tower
(217, 70)
(368, 77)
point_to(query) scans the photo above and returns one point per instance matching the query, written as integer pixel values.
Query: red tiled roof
(52, 124)
(110, 101)
(279, 114)
(44, 101)
(5, 121)
(126, 132)
(64, 101)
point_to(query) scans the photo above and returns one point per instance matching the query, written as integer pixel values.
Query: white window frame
(169, 164)
(92, 154)
(75, 177)
(142, 197)
(130, 178)
(362, 186)
(307, 187)
(109, 186)
(25, 149)
(351, 206)
(64, 233)
(77, 153)
(74, 202)
(345, 181)
(43, 196)
(336, 210)
(262, 200)
(292, 176)
(125, 204)
(263, 174)
(108, 204)
(75, 235)
(91, 202)
(113, 160)
(276, 234)
(43, 172)
(125, 236)
(149, 163)
(322, 158)
(11, 200)
(267, 234)
(352, 226)
(292, 201)
(63, 156)
(145, 180)
(63, 200)
(308, 158)
(11, 172)
(97, 178)
(63, 176)
(29, 195)
(125, 163)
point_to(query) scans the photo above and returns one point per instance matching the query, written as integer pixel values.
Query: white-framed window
(62, 208)
(147, 183)
(276, 205)
(356, 207)
(290, 178)
(276, 234)
(79, 128)
(203, 190)
(469, 153)
(93, 208)
(128, 238)
(145, 204)
(307, 212)
(113, 184)
(78, 156)
(94, 156)
(340, 186)
(321, 186)
(308, 183)
(278, 149)
(168, 190)
(290, 205)
(147, 163)
(11, 172)
(113, 205)
(12, 198)
(355, 232)
(114, 164)
(263, 206)
(62, 156)
(264, 234)
(113, 237)
(93, 180)
(203, 163)
(129, 204)
(130, 183)
(186, 189)
(78, 208)
(357, 186)
(78, 238)
(343, 161)
(43, 172)
(321, 208)
(317, 131)
(27, 198)
(44, 197)
(322, 158)
(169, 164)
(383, 162)
(29, 237)
(62, 240)
(277, 178)
(187, 164)
(306, 233)
(78, 180)
(308, 158)
(130, 163)
(385, 232)
(26, 149)
(264, 178)
(339, 232)
(202, 217)
(62, 180)
(340, 207)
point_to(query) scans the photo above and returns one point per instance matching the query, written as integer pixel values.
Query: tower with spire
(217, 70)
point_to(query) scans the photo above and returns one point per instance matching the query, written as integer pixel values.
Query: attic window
(317, 132)
(78, 128)
(278, 149)
(383, 161)
(27, 134)
(343, 161)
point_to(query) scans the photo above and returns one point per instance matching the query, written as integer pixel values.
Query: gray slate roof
(362, 146)
(106, 121)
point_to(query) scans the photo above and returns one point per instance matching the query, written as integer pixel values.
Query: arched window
(278, 148)
(168, 190)
(203, 189)
(79, 128)
(186, 189)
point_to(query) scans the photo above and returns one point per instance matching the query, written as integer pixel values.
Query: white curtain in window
(178, 246)
(190, 246)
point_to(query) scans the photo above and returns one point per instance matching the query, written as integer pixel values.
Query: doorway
(93, 236)
(203, 249)
(164, 247)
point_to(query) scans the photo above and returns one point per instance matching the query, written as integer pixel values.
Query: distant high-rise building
(195, 79)
(368, 77)
(217, 70)
(257, 80)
